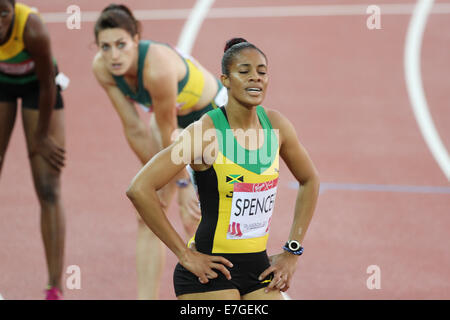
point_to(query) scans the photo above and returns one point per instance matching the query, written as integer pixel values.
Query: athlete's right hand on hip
(202, 265)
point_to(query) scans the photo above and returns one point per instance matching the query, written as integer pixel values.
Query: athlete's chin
(117, 71)
(253, 102)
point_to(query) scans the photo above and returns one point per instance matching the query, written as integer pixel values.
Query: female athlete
(235, 162)
(28, 72)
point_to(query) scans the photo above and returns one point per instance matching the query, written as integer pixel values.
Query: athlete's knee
(48, 192)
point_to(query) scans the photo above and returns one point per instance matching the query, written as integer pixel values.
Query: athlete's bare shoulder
(207, 122)
(162, 62)
(283, 126)
(277, 119)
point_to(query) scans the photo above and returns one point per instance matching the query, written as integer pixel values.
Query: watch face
(294, 245)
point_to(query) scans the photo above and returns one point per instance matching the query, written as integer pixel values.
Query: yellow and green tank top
(237, 193)
(190, 88)
(16, 65)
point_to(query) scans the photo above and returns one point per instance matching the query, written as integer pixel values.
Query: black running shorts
(247, 267)
(29, 93)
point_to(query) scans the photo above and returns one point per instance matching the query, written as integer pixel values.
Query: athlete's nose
(254, 76)
(115, 53)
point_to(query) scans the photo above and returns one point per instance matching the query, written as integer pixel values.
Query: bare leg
(48, 188)
(8, 111)
(150, 251)
(229, 294)
(260, 294)
(150, 260)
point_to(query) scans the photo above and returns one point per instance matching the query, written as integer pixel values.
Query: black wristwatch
(294, 247)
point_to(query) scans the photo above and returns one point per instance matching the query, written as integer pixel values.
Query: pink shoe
(53, 293)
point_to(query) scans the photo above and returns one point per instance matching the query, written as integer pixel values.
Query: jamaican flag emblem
(234, 178)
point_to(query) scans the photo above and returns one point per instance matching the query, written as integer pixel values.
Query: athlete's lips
(254, 90)
(116, 66)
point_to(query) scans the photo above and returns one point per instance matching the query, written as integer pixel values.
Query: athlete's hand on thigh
(49, 150)
(202, 265)
(283, 266)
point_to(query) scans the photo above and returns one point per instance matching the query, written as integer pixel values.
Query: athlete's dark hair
(232, 48)
(117, 16)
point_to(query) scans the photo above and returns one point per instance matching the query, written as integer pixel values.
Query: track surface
(343, 87)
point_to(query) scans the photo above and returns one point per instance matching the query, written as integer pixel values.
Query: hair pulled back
(117, 16)
(232, 48)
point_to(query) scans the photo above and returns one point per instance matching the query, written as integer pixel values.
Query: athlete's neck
(242, 117)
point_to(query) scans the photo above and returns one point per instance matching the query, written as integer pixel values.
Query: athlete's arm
(135, 130)
(301, 166)
(37, 42)
(142, 192)
(160, 79)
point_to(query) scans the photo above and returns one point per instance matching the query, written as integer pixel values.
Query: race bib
(251, 209)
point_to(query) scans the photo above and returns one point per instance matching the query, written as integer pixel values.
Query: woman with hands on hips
(234, 152)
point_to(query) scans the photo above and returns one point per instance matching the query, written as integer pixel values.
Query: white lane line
(315, 10)
(193, 24)
(255, 12)
(415, 88)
